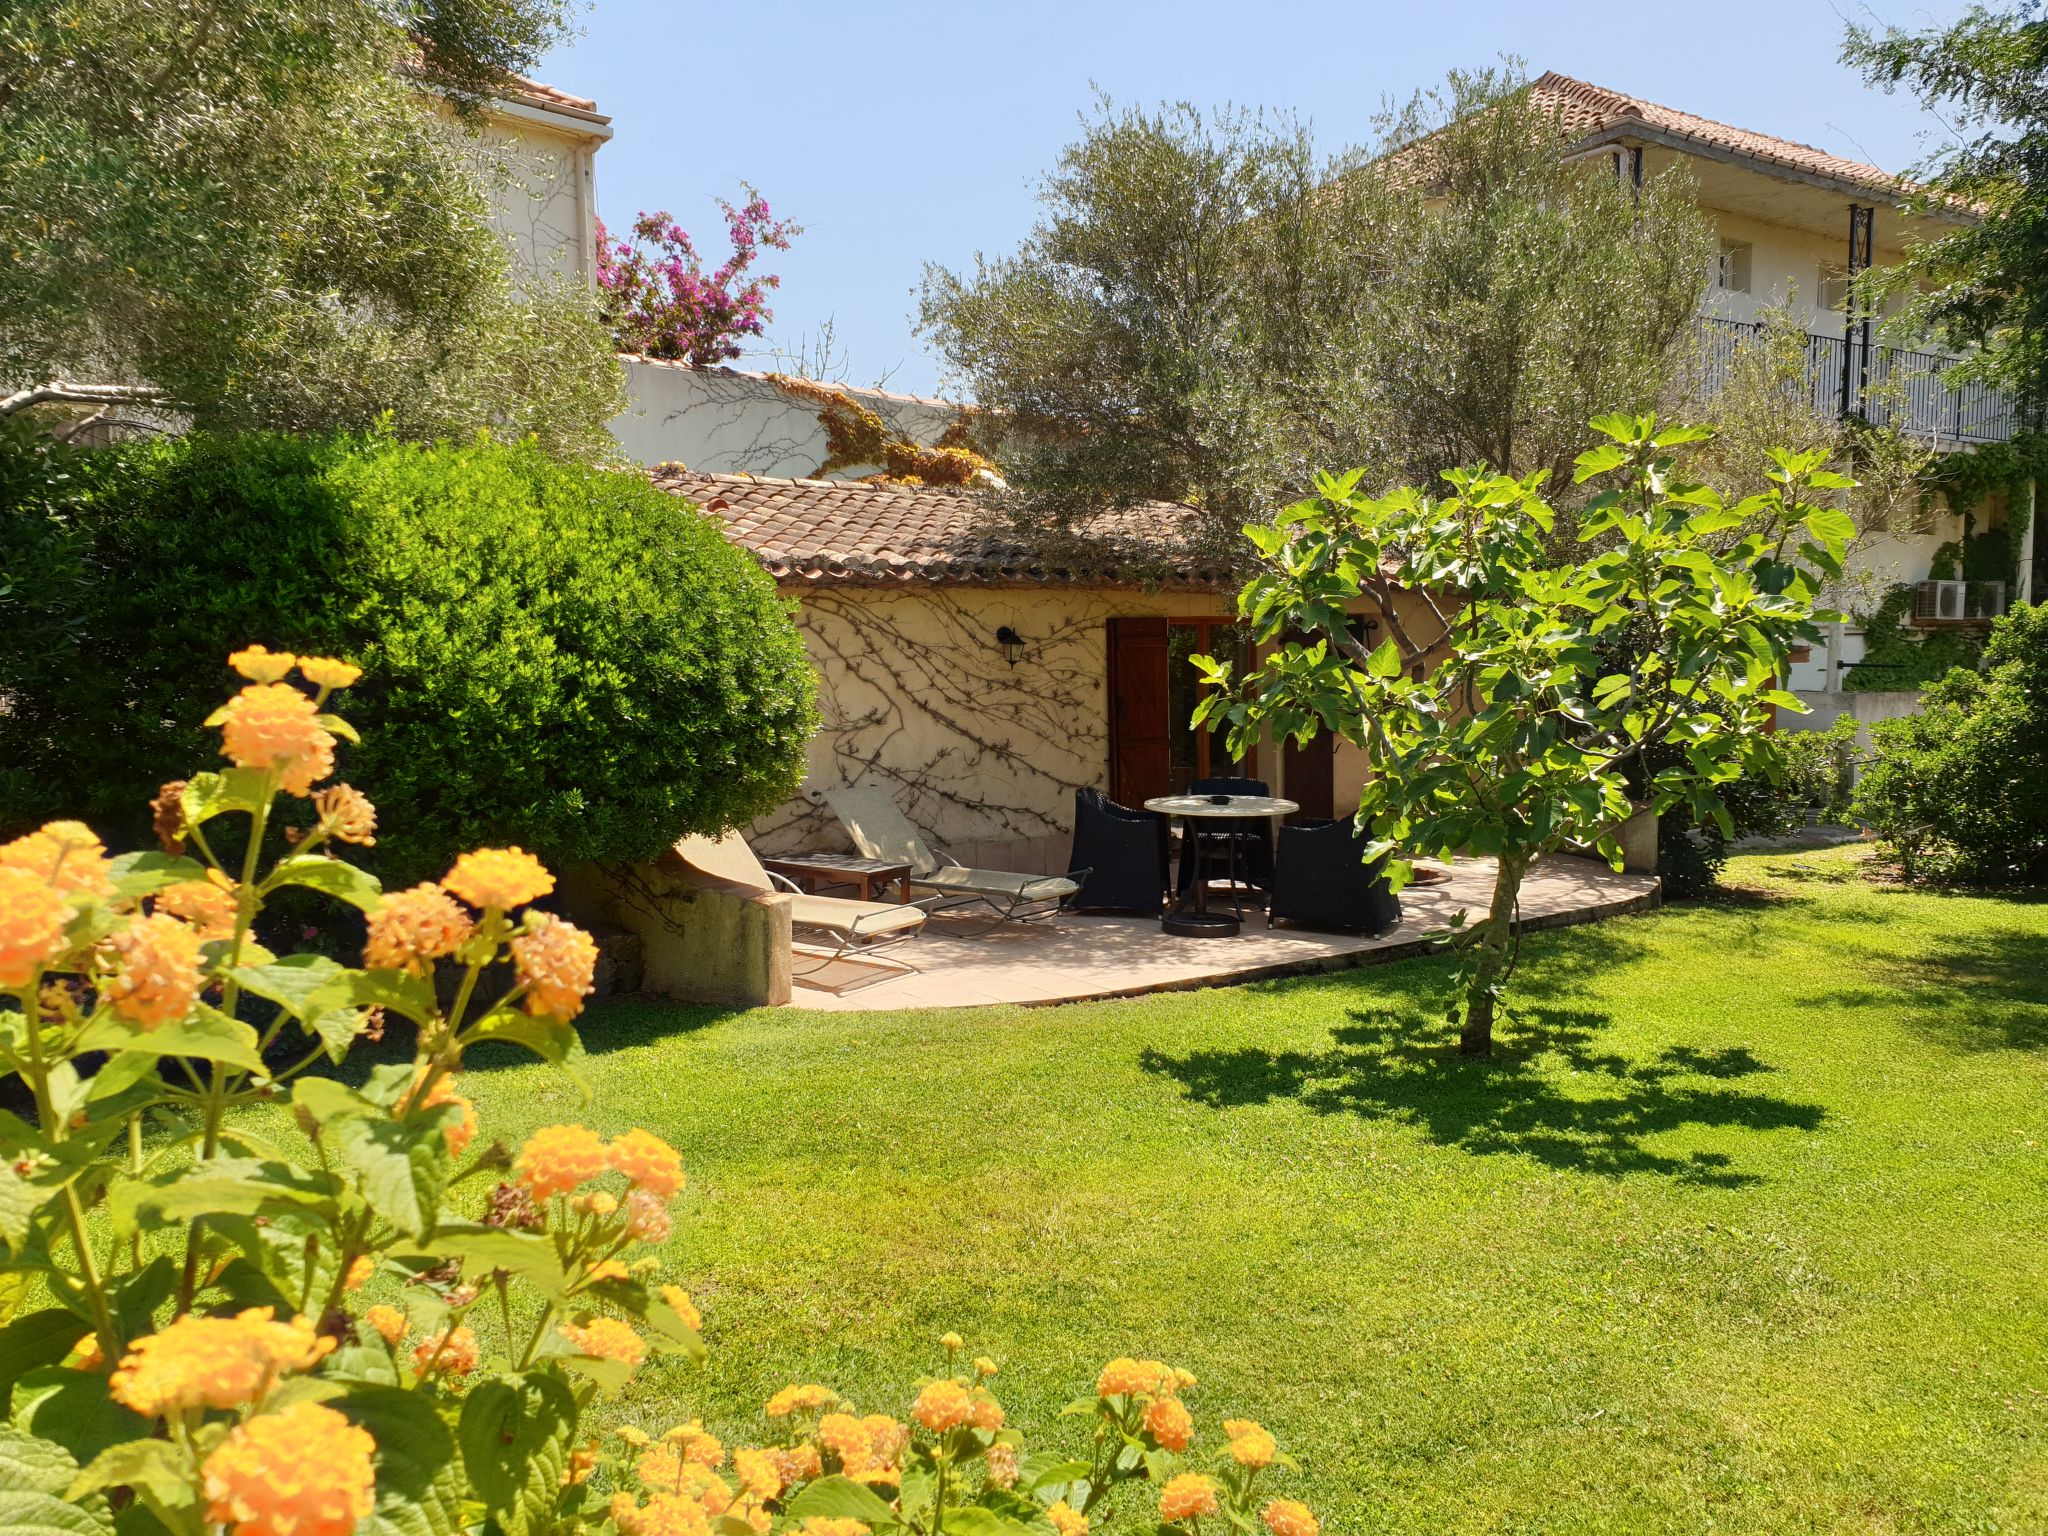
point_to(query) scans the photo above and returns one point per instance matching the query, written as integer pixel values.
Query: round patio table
(1201, 923)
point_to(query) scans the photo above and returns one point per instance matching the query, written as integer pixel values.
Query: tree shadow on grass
(1551, 1092)
(1979, 991)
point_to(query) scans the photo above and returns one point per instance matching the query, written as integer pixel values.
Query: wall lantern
(1011, 643)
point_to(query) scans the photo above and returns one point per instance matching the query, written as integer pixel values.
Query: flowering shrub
(205, 1356)
(659, 300)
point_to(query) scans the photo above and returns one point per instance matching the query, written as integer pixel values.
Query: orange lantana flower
(943, 1405)
(1290, 1517)
(680, 1303)
(306, 1471)
(606, 1338)
(556, 1158)
(499, 877)
(1067, 1520)
(67, 854)
(1170, 1423)
(208, 905)
(757, 1473)
(326, 672)
(1250, 1444)
(557, 963)
(1186, 1497)
(261, 665)
(273, 725)
(214, 1362)
(648, 1161)
(412, 929)
(32, 919)
(347, 814)
(1125, 1377)
(388, 1321)
(666, 1514)
(159, 976)
(451, 1352)
(805, 1399)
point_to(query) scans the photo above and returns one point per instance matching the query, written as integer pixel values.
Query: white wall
(725, 421)
(545, 200)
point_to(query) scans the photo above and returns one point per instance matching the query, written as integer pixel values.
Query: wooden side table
(866, 875)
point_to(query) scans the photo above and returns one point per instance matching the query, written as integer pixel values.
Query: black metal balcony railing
(1885, 385)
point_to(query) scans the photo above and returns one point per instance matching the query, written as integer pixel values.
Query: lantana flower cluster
(288, 1321)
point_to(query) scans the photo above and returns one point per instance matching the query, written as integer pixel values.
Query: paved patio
(1072, 958)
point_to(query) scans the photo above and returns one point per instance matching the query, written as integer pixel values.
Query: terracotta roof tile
(1586, 109)
(519, 88)
(856, 533)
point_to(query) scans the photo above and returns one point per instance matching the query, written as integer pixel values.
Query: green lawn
(1744, 1231)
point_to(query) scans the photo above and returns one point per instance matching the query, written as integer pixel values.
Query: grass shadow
(1978, 991)
(1551, 1093)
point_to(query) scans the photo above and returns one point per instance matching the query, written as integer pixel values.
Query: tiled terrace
(1074, 958)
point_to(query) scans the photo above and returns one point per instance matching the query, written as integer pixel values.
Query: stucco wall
(546, 202)
(725, 421)
(916, 698)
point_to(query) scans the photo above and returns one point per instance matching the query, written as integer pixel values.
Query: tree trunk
(1476, 1039)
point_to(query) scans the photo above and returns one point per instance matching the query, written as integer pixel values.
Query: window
(1834, 287)
(1731, 270)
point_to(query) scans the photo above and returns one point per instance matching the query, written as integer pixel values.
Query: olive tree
(1210, 307)
(1516, 736)
(276, 213)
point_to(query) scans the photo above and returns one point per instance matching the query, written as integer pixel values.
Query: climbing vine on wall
(1971, 481)
(1897, 657)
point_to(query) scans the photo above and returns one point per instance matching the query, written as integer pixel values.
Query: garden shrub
(1816, 770)
(388, 1321)
(1960, 790)
(562, 657)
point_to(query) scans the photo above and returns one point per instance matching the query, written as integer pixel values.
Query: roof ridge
(1642, 109)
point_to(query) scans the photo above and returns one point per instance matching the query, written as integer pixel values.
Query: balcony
(1888, 386)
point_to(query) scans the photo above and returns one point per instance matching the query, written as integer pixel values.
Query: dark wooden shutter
(1140, 764)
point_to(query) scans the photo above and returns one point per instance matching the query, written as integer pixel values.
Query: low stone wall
(1865, 706)
(702, 940)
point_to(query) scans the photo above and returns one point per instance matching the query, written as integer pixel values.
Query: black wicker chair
(1321, 880)
(1120, 857)
(1206, 840)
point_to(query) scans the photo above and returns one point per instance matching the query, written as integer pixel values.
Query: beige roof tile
(857, 533)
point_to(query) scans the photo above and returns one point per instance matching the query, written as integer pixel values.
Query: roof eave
(1635, 131)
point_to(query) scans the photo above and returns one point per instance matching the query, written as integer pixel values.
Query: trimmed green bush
(1960, 790)
(556, 656)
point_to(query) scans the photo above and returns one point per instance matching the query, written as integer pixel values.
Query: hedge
(557, 656)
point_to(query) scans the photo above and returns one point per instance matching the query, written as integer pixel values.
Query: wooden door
(1310, 777)
(1140, 762)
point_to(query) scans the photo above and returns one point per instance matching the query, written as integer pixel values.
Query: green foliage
(275, 213)
(561, 657)
(1984, 280)
(1960, 790)
(1808, 781)
(1517, 737)
(1896, 657)
(1211, 310)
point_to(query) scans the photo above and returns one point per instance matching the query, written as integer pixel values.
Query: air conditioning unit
(1940, 600)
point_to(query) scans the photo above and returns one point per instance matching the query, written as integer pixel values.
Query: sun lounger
(880, 831)
(854, 929)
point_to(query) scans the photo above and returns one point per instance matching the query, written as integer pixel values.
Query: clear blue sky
(904, 133)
